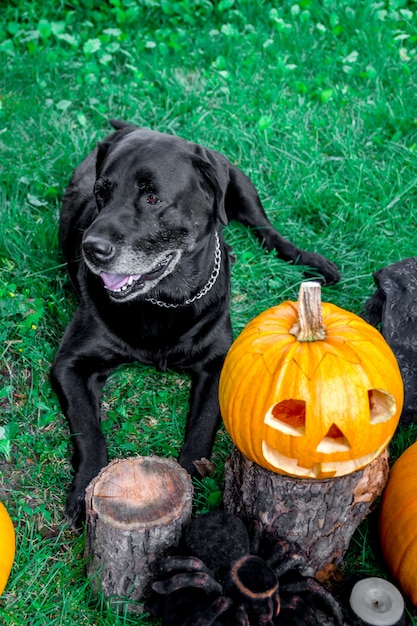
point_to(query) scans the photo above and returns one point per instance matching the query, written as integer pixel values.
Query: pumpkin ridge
(270, 360)
(403, 556)
(409, 585)
(308, 360)
(400, 512)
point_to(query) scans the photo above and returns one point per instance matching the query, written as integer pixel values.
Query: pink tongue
(115, 281)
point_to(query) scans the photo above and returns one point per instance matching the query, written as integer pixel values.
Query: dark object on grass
(394, 307)
(224, 579)
(141, 230)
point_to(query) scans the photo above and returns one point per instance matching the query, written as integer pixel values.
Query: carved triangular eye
(288, 416)
(292, 412)
(334, 441)
(382, 405)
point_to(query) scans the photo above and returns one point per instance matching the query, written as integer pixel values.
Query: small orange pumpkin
(7, 546)
(398, 522)
(310, 390)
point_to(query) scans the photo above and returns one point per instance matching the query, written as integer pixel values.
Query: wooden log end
(136, 511)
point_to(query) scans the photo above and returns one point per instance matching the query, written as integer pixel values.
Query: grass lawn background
(315, 101)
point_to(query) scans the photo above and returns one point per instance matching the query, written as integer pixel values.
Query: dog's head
(159, 200)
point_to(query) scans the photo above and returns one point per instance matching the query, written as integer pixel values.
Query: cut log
(136, 511)
(320, 515)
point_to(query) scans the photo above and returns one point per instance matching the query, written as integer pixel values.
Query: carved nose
(98, 248)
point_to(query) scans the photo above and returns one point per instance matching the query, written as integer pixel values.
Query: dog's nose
(97, 248)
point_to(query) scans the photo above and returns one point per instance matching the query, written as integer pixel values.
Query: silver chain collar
(211, 281)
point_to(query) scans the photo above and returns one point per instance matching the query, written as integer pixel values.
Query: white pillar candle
(377, 602)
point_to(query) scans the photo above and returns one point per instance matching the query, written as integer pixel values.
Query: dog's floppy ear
(215, 168)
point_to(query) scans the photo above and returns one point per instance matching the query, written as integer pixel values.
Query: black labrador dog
(141, 230)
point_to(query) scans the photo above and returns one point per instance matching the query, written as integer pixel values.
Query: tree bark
(320, 515)
(136, 511)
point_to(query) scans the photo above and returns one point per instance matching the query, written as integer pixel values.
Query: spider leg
(295, 610)
(179, 563)
(292, 562)
(285, 556)
(310, 585)
(199, 580)
(241, 617)
(255, 535)
(213, 611)
(280, 549)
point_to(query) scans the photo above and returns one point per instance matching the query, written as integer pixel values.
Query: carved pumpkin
(7, 546)
(310, 390)
(398, 522)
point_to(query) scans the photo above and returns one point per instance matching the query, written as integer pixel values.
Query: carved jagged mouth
(122, 285)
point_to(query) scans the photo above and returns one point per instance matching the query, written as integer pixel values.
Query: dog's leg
(203, 417)
(78, 378)
(243, 204)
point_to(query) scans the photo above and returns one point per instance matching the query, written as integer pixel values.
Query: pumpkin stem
(310, 326)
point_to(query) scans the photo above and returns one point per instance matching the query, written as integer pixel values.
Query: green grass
(315, 101)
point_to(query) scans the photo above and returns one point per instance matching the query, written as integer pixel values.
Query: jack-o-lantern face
(311, 409)
(329, 451)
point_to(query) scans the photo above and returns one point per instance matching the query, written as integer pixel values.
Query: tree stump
(136, 511)
(320, 515)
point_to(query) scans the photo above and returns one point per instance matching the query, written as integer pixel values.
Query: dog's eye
(152, 199)
(102, 190)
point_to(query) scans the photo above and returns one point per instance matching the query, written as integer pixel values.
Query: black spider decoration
(219, 582)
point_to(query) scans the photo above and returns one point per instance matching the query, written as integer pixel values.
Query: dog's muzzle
(122, 285)
(127, 273)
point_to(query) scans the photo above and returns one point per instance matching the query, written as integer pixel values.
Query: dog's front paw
(328, 269)
(330, 273)
(75, 511)
(204, 467)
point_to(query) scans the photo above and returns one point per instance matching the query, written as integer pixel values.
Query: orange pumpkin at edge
(7, 546)
(398, 522)
(311, 401)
